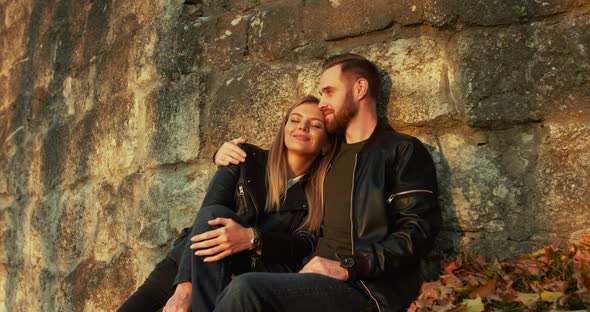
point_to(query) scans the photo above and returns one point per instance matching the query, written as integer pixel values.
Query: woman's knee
(211, 212)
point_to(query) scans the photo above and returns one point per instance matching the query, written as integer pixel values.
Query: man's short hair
(309, 99)
(357, 66)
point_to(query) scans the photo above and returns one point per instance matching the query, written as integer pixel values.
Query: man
(380, 215)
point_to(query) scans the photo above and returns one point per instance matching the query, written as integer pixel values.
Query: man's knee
(241, 288)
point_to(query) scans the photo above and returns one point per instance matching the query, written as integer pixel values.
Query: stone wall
(110, 110)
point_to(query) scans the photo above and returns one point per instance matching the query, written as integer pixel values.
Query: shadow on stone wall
(448, 241)
(21, 159)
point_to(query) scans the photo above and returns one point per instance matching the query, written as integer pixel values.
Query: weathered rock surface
(110, 111)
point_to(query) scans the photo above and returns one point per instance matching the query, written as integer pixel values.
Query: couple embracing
(335, 217)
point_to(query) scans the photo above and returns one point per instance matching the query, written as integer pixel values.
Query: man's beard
(341, 119)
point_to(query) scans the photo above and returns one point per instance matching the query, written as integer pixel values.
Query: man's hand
(230, 153)
(181, 300)
(330, 268)
(229, 239)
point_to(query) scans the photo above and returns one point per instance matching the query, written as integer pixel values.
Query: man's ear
(361, 88)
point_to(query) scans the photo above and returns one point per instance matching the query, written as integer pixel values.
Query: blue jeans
(260, 291)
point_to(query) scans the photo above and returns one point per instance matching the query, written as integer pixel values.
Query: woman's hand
(227, 240)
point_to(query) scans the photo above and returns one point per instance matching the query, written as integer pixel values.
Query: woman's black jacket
(243, 188)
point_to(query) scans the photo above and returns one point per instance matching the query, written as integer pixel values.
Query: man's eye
(294, 120)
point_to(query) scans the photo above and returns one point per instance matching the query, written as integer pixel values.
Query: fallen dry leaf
(471, 305)
(551, 296)
(485, 290)
(528, 300)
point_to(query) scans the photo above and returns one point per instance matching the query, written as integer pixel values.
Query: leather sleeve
(220, 192)
(222, 187)
(413, 212)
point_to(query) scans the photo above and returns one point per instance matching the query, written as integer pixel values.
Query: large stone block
(106, 139)
(216, 7)
(174, 197)
(518, 74)
(88, 33)
(267, 38)
(173, 113)
(178, 48)
(4, 286)
(483, 187)
(337, 19)
(497, 12)
(63, 228)
(562, 176)
(96, 285)
(407, 12)
(223, 39)
(415, 79)
(308, 78)
(249, 101)
(514, 11)
(117, 202)
(14, 12)
(10, 84)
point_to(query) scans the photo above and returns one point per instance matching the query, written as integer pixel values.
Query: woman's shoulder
(256, 156)
(254, 153)
(252, 149)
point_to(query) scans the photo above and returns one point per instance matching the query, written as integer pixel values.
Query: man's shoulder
(387, 138)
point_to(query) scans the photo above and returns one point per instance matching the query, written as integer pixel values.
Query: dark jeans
(292, 292)
(153, 294)
(209, 279)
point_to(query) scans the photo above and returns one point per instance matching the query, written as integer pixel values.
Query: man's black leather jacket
(243, 189)
(394, 216)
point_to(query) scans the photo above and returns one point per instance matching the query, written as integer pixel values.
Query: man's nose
(322, 105)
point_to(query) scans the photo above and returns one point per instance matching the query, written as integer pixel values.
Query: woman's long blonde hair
(276, 172)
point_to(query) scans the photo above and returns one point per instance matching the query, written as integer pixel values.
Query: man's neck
(363, 124)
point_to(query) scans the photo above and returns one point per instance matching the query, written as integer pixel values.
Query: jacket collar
(375, 139)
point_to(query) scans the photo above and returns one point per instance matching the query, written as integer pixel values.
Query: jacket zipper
(242, 194)
(392, 196)
(352, 228)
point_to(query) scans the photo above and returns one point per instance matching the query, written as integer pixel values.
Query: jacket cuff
(180, 279)
(352, 274)
(359, 269)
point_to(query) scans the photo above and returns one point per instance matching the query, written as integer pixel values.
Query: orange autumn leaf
(451, 267)
(486, 290)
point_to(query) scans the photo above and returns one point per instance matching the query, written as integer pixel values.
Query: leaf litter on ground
(550, 279)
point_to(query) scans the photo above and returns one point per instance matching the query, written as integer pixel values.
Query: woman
(244, 226)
